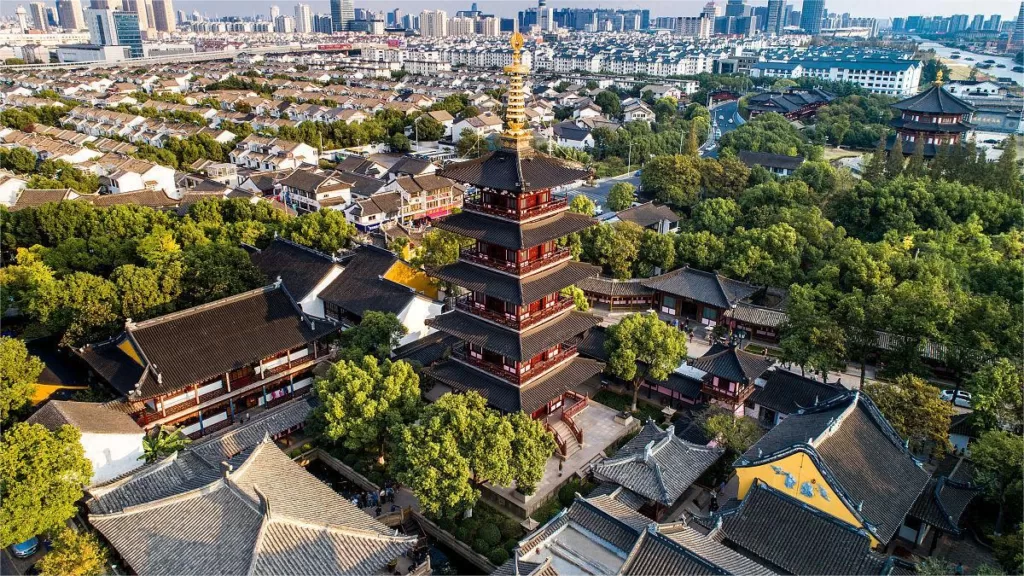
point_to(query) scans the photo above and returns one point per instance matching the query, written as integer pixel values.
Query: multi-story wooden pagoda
(934, 115)
(517, 334)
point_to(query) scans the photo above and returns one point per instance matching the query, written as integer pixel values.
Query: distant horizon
(1008, 9)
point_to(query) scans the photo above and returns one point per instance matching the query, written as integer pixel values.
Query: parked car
(26, 548)
(963, 399)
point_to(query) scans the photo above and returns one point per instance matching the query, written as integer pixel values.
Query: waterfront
(945, 53)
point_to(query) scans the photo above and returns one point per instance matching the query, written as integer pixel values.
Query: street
(720, 124)
(599, 193)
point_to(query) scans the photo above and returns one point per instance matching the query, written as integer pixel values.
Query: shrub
(498, 556)
(349, 459)
(489, 533)
(461, 533)
(510, 544)
(307, 447)
(510, 529)
(481, 545)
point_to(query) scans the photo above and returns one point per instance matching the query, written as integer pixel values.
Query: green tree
(673, 179)
(997, 394)
(692, 147)
(810, 337)
(377, 334)
(582, 205)
(20, 160)
(325, 230)
(471, 144)
(429, 461)
(894, 164)
(42, 474)
(916, 412)
(735, 434)
(440, 248)
(915, 166)
(621, 196)
(1009, 550)
(1006, 175)
(839, 130)
(364, 403)
(532, 446)
(874, 170)
(641, 345)
(162, 443)
(217, 270)
(579, 299)
(26, 285)
(74, 554)
(657, 253)
(85, 308)
(426, 128)
(998, 458)
(610, 103)
(140, 292)
(19, 371)
(716, 215)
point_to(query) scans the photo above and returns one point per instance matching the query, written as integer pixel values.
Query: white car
(963, 399)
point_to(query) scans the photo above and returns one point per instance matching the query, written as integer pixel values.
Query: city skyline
(508, 9)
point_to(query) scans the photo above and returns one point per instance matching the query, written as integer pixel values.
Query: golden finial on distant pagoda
(938, 77)
(516, 136)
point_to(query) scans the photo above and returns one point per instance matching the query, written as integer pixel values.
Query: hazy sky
(877, 8)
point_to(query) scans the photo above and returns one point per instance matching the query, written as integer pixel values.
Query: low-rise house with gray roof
(781, 393)
(658, 466)
(259, 513)
(111, 439)
(657, 217)
(938, 511)
(693, 294)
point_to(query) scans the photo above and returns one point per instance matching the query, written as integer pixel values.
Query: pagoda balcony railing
(521, 322)
(556, 256)
(738, 397)
(461, 352)
(514, 213)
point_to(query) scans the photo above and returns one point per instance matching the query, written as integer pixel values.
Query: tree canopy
(18, 373)
(642, 346)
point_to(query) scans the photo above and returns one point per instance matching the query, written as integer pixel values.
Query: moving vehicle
(26, 548)
(963, 399)
(969, 59)
(1017, 69)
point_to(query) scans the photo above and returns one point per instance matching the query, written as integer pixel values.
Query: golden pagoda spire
(516, 136)
(938, 77)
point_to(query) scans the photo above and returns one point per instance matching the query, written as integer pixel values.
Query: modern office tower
(303, 19)
(284, 24)
(180, 17)
(342, 13)
(139, 7)
(710, 11)
(810, 16)
(433, 23)
(1016, 41)
(323, 24)
(37, 10)
(163, 15)
(115, 28)
(490, 26)
(359, 14)
(396, 16)
(776, 17)
(70, 14)
(546, 18)
(735, 8)
(52, 19)
(899, 24)
(22, 16)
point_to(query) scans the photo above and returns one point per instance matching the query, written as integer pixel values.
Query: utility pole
(629, 164)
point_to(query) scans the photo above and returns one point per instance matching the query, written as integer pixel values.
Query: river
(944, 52)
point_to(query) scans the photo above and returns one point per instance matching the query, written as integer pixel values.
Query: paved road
(599, 193)
(720, 116)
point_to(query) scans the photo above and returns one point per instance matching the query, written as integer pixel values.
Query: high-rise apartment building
(275, 11)
(978, 22)
(1016, 41)
(811, 15)
(993, 22)
(139, 7)
(489, 26)
(284, 24)
(776, 20)
(710, 11)
(303, 18)
(323, 24)
(37, 10)
(163, 15)
(343, 13)
(70, 14)
(735, 8)
(433, 23)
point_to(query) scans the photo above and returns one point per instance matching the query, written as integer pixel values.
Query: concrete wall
(112, 454)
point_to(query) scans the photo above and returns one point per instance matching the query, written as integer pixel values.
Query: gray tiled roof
(514, 171)
(700, 286)
(733, 364)
(856, 449)
(759, 315)
(511, 234)
(712, 550)
(796, 538)
(88, 417)
(613, 287)
(299, 267)
(945, 498)
(221, 447)
(508, 342)
(512, 289)
(361, 286)
(269, 516)
(786, 392)
(934, 100)
(658, 555)
(648, 214)
(657, 464)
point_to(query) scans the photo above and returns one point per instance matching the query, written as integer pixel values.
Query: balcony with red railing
(536, 369)
(556, 256)
(735, 397)
(473, 203)
(520, 322)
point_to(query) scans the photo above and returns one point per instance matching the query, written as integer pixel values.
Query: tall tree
(42, 474)
(641, 345)
(582, 205)
(915, 166)
(735, 434)
(998, 458)
(440, 248)
(692, 146)
(914, 409)
(377, 334)
(874, 172)
(18, 373)
(532, 446)
(621, 196)
(86, 308)
(431, 464)
(75, 554)
(673, 179)
(1006, 176)
(997, 395)
(364, 403)
(218, 270)
(810, 337)
(894, 164)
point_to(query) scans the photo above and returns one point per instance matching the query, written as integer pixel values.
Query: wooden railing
(513, 213)
(538, 368)
(577, 432)
(562, 448)
(572, 411)
(558, 255)
(737, 397)
(510, 320)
